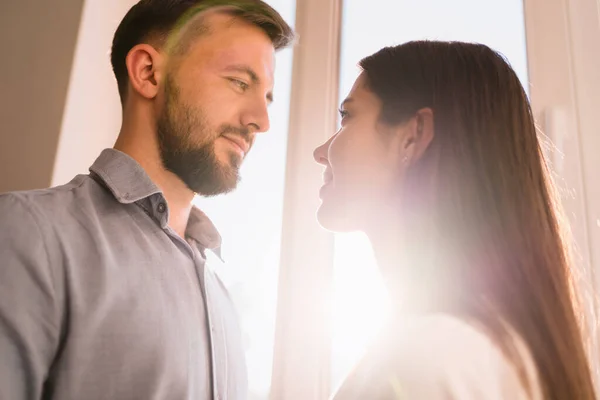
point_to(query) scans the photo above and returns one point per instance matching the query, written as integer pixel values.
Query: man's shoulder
(50, 203)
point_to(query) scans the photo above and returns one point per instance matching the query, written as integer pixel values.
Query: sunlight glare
(360, 302)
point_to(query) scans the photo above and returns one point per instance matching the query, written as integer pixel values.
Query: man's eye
(241, 84)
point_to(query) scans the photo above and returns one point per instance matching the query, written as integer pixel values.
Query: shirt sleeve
(29, 311)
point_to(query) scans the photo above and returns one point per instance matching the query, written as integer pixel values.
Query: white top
(441, 357)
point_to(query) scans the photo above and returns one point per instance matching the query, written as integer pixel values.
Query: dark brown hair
(481, 200)
(153, 20)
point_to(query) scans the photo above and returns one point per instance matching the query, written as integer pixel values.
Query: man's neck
(143, 148)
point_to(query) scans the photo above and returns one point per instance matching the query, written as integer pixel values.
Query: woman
(437, 160)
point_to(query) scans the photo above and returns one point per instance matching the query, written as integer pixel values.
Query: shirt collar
(129, 183)
(123, 176)
(201, 229)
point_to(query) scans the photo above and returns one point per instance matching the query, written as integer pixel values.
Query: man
(104, 292)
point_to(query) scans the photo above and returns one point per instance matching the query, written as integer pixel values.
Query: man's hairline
(159, 39)
(204, 28)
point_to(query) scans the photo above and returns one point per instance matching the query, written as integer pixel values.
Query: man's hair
(153, 21)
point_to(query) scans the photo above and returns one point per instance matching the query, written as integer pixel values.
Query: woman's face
(363, 164)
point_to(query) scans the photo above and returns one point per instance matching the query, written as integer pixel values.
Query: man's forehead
(242, 58)
(240, 54)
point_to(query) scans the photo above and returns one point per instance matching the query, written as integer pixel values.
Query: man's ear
(419, 135)
(145, 70)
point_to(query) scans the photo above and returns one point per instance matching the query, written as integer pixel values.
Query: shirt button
(161, 208)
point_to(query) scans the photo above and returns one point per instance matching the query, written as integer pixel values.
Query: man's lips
(239, 141)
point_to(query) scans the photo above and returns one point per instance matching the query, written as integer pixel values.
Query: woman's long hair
(480, 201)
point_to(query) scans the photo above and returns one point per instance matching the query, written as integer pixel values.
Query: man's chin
(230, 159)
(209, 186)
(211, 191)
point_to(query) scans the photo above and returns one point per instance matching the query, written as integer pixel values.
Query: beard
(194, 161)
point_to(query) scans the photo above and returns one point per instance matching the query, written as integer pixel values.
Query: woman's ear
(419, 135)
(144, 68)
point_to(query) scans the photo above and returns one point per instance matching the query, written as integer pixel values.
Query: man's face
(214, 101)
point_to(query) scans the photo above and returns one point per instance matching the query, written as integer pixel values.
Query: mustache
(244, 132)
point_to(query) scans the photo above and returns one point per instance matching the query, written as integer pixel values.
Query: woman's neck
(407, 265)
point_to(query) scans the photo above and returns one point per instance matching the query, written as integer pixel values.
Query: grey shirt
(100, 299)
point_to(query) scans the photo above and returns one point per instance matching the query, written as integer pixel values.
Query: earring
(405, 159)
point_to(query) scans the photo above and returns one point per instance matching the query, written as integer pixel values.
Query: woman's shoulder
(440, 357)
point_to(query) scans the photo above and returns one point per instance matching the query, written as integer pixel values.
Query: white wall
(92, 116)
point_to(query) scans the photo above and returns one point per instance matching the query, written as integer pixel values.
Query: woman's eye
(343, 117)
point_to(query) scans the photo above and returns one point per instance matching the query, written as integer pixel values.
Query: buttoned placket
(199, 260)
(201, 270)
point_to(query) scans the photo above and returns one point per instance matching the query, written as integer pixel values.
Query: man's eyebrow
(244, 69)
